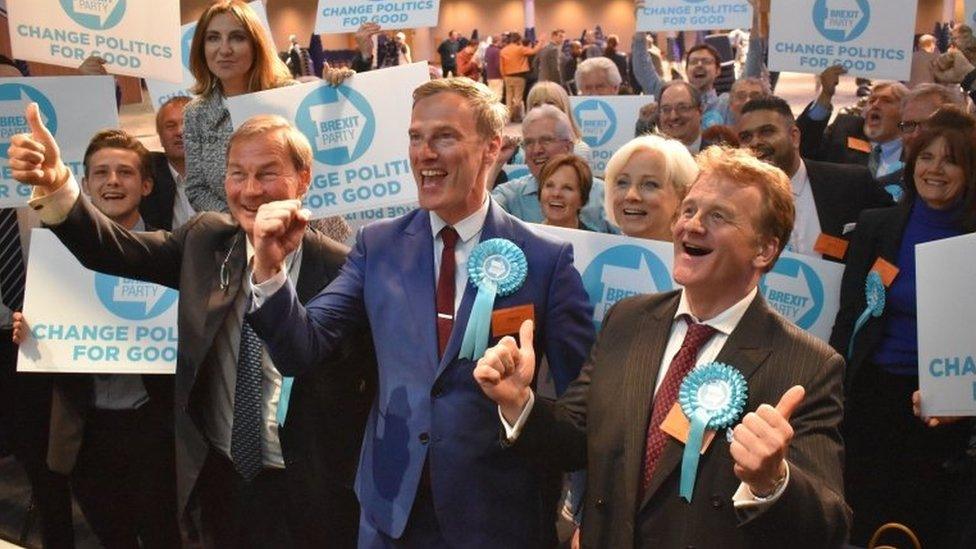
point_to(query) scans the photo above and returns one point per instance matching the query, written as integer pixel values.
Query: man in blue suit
(432, 472)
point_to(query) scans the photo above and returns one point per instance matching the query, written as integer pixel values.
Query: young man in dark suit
(775, 479)
(258, 481)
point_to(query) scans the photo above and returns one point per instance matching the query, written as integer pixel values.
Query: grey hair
(564, 129)
(594, 64)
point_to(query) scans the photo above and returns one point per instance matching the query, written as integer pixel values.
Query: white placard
(161, 91)
(135, 37)
(87, 322)
(969, 14)
(607, 123)
(334, 16)
(72, 107)
(804, 289)
(358, 132)
(944, 276)
(668, 15)
(870, 38)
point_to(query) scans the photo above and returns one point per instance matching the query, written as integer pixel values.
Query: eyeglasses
(703, 61)
(910, 127)
(544, 142)
(680, 109)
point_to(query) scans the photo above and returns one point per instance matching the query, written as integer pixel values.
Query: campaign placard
(804, 289)
(870, 38)
(82, 321)
(72, 107)
(161, 91)
(135, 38)
(607, 123)
(358, 132)
(668, 15)
(944, 276)
(347, 15)
(969, 13)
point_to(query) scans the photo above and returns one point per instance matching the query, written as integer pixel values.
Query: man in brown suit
(772, 481)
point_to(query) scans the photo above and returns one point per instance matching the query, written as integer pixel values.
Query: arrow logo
(136, 291)
(597, 121)
(100, 9)
(12, 119)
(841, 20)
(794, 290)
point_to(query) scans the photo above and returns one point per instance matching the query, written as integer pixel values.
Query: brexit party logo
(841, 20)
(14, 99)
(95, 14)
(339, 123)
(623, 271)
(596, 120)
(186, 41)
(794, 289)
(133, 299)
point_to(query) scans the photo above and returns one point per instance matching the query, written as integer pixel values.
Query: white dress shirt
(806, 228)
(182, 210)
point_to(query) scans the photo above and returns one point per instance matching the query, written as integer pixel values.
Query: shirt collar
(889, 148)
(799, 181)
(467, 227)
(177, 178)
(140, 225)
(696, 145)
(530, 186)
(726, 321)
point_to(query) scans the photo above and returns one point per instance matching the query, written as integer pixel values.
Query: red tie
(667, 394)
(445, 289)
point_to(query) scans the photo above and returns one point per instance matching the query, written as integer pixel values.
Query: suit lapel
(417, 280)
(640, 377)
(228, 264)
(311, 274)
(744, 350)
(821, 198)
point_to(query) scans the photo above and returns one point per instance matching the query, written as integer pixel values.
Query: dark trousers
(25, 415)
(897, 469)
(125, 478)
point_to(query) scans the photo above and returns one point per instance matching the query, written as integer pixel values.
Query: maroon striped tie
(445, 289)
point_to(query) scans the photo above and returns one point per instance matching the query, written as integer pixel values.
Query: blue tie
(245, 439)
(11, 261)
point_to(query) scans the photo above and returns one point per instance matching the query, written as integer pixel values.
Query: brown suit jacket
(323, 431)
(601, 422)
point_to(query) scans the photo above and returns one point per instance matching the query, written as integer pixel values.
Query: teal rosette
(874, 296)
(712, 396)
(496, 267)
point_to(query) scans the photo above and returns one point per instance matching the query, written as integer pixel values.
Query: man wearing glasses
(680, 114)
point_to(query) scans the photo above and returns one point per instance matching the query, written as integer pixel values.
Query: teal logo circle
(95, 14)
(338, 122)
(14, 99)
(596, 120)
(794, 290)
(133, 299)
(841, 20)
(623, 271)
(185, 42)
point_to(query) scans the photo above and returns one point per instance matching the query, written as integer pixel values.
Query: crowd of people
(328, 396)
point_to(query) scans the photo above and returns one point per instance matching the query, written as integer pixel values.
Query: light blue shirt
(890, 160)
(520, 197)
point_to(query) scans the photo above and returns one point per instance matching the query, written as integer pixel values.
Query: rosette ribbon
(874, 296)
(712, 396)
(497, 267)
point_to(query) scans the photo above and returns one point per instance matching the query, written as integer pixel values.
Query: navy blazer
(429, 409)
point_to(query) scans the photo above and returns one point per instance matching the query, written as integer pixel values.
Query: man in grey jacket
(548, 60)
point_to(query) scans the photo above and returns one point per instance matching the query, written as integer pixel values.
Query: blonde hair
(490, 115)
(267, 70)
(297, 145)
(680, 169)
(551, 93)
(742, 168)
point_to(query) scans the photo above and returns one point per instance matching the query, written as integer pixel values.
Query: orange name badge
(830, 246)
(677, 425)
(507, 321)
(887, 271)
(858, 145)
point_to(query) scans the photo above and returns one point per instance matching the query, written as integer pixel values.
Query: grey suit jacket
(328, 414)
(601, 423)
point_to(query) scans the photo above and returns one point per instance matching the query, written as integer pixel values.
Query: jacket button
(362, 386)
(437, 391)
(424, 438)
(716, 502)
(600, 503)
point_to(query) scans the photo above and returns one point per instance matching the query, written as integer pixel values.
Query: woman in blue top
(897, 469)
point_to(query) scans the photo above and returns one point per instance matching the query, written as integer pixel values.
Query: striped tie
(245, 440)
(11, 261)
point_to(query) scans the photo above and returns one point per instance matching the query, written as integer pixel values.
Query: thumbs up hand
(762, 441)
(506, 371)
(35, 158)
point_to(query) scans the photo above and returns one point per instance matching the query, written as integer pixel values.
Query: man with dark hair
(829, 197)
(113, 433)
(167, 206)
(680, 112)
(261, 461)
(448, 51)
(548, 60)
